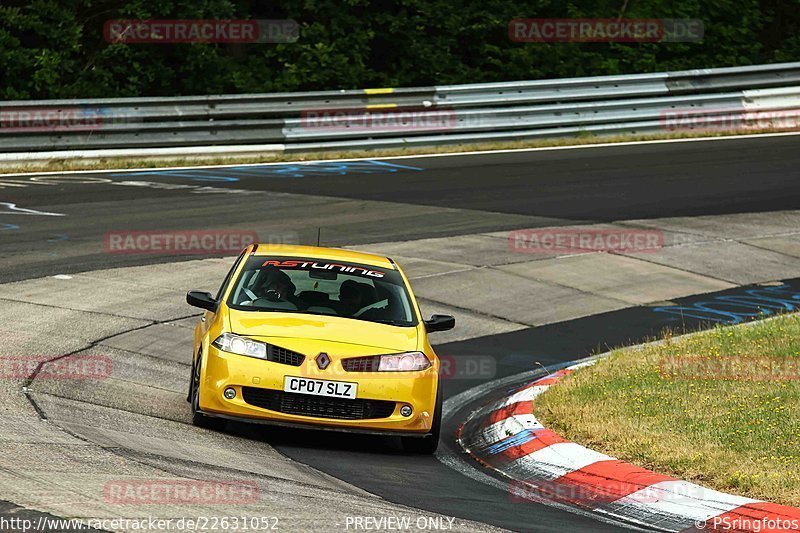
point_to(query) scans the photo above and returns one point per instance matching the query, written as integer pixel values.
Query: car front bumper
(222, 370)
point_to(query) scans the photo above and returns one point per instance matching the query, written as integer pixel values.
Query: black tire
(190, 393)
(427, 445)
(198, 418)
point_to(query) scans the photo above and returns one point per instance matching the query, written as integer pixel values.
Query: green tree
(56, 48)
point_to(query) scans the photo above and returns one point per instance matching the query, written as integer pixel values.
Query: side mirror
(201, 299)
(440, 323)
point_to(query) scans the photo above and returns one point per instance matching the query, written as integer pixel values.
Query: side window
(227, 281)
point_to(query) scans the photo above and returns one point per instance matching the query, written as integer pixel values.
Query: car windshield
(321, 287)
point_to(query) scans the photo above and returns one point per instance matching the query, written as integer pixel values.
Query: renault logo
(323, 361)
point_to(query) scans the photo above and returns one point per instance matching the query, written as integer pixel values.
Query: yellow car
(317, 337)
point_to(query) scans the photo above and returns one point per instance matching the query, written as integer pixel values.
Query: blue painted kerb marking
(518, 439)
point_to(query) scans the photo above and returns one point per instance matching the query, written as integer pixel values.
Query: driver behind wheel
(350, 298)
(354, 296)
(278, 287)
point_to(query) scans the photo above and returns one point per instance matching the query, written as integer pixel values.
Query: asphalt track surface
(441, 196)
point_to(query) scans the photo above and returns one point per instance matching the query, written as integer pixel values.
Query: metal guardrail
(465, 113)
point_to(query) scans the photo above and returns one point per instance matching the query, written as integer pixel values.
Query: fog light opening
(230, 393)
(406, 410)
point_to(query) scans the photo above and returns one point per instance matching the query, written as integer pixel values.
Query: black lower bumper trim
(309, 425)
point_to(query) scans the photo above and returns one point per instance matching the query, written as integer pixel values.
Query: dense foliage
(56, 48)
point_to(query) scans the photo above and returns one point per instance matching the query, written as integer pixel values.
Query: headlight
(228, 342)
(397, 362)
(403, 362)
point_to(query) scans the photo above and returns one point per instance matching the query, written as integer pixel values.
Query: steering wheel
(273, 295)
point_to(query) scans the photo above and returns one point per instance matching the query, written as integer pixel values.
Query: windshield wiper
(391, 322)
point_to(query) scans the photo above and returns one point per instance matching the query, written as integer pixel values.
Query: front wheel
(427, 445)
(198, 418)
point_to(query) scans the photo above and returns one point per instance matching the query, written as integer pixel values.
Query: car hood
(325, 329)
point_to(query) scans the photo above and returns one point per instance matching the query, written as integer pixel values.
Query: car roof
(317, 252)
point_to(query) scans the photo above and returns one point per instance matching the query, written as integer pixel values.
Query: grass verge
(719, 408)
(59, 165)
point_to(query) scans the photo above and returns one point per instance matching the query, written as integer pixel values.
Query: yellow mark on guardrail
(378, 91)
(381, 106)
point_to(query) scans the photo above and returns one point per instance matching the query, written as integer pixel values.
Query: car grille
(293, 403)
(284, 356)
(362, 364)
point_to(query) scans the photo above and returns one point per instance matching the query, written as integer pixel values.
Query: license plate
(320, 387)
